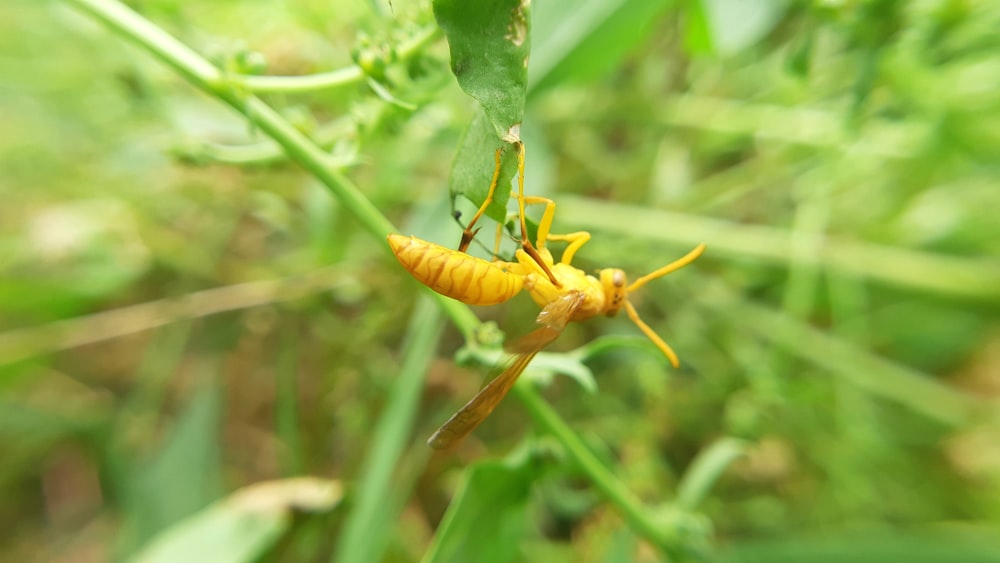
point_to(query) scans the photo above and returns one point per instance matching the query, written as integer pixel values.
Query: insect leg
(526, 245)
(496, 243)
(468, 234)
(545, 225)
(575, 240)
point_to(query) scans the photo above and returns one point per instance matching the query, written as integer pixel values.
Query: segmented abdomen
(455, 274)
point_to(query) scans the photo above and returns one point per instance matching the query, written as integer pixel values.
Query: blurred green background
(184, 312)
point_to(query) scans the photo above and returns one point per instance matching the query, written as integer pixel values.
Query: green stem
(299, 148)
(639, 517)
(307, 83)
(333, 79)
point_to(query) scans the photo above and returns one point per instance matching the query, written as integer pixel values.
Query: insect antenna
(671, 267)
(659, 273)
(663, 346)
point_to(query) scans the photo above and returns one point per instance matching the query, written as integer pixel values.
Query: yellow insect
(564, 292)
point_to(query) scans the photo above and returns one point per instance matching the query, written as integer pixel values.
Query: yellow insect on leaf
(565, 293)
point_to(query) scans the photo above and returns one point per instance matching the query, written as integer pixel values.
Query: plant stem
(299, 148)
(639, 517)
(336, 78)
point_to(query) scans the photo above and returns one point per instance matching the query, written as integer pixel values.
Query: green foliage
(726, 27)
(493, 496)
(474, 166)
(242, 526)
(866, 548)
(196, 296)
(374, 504)
(490, 41)
(582, 40)
(187, 464)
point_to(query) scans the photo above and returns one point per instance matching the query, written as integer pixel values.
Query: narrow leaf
(243, 526)
(493, 497)
(733, 25)
(584, 39)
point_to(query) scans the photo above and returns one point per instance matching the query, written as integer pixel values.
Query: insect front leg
(469, 233)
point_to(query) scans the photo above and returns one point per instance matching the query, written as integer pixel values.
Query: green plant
(838, 337)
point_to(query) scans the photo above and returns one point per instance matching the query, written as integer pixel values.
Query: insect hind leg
(575, 240)
(543, 226)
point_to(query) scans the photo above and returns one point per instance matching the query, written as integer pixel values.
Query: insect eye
(618, 279)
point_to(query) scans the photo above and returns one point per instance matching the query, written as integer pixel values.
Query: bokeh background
(184, 312)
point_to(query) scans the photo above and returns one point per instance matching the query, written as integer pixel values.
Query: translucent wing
(553, 319)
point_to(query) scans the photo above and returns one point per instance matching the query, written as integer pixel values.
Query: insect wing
(463, 422)
(553, 318)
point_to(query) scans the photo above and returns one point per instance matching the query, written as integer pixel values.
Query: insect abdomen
(455, 274)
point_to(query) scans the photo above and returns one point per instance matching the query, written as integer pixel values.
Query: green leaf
(581, 40)
(800, 54)
(706, 469)
(244, 525)
(188, 466)
(697, 35)
(493, 497)
(472, 171)
(542, 368)
(545, 366)
(726, 27)
(489, 43)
